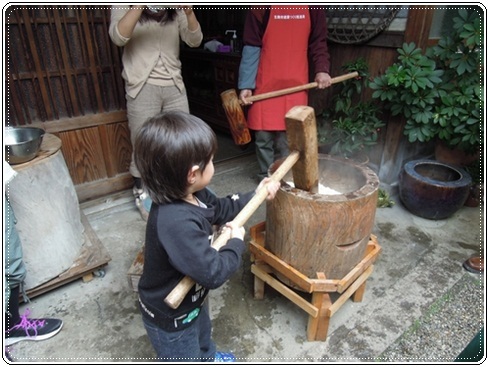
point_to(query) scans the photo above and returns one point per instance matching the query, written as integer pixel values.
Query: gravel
(446, 327)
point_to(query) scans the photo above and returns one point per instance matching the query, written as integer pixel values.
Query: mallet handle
(176, 296)
(281, 92)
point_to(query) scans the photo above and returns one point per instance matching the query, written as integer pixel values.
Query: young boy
(174, 152)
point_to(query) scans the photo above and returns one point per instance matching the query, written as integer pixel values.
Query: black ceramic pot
(433, 190)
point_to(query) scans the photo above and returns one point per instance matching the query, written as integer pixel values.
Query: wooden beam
(82, 122)
(282, 267)
(45, 109)
(92, 61)
(418, 25)
(351, 289)
(71, 99)
(96, 189)
(285, 291)
(317, 327)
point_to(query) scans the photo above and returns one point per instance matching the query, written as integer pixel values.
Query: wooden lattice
(61, 63)
(357, 24)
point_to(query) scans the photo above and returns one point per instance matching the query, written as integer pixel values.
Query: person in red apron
(278, 42)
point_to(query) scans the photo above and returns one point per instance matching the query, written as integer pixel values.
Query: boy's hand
(235, 231)
(272, 187)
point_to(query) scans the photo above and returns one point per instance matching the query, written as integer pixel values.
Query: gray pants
(151, 100)
(269, 146)
(15, 270)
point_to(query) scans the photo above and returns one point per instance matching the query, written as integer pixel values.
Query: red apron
(283, 64)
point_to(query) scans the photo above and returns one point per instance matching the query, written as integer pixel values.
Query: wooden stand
(320, 308)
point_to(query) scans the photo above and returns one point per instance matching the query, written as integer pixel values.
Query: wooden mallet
(234, 111)
(301, 136)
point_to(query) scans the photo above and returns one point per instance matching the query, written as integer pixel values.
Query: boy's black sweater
(178, 243)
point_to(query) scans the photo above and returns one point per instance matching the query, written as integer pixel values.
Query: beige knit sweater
(149, 42)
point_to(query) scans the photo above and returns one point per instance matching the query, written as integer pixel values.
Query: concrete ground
(419, 305)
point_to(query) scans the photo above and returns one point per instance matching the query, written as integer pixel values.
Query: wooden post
(317, 327)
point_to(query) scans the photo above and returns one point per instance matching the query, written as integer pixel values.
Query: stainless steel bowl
(22, 143)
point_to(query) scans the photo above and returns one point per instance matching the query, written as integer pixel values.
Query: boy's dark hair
(166, 148)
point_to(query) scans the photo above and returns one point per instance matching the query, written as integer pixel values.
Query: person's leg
(174, 100)
(147, 104)
(178, 346)
(193, 344)
(15, 270)
(264, 141)
(17, 327)
(12, 315)
(150, 101)
(207, 345)
(281, 145)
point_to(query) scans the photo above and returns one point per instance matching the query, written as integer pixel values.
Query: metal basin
(22, 143)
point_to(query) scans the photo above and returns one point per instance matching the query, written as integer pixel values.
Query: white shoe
(143, 202)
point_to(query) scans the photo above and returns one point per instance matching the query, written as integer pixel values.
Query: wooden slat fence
(63, 74)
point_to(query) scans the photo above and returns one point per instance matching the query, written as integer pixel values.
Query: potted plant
(349, 124)
(439, 93)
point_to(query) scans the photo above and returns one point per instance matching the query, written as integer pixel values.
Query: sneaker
(224, 357)
(143, 202)
(32, 329)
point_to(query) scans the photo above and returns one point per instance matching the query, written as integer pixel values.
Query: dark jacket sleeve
(227, 208)
(186, 240)
(254, 28)
(318, 46)
(187, 243)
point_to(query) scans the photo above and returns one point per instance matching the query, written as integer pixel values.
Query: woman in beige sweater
(151, 38)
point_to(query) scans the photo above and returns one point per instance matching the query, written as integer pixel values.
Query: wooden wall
(64, 74)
